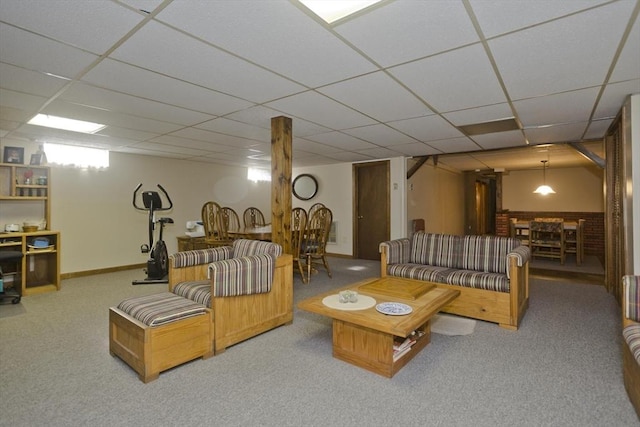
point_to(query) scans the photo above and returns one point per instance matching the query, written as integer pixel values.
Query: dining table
(253, 233)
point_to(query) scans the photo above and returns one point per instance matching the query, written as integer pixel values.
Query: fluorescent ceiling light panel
(66, 124)
(333, 10)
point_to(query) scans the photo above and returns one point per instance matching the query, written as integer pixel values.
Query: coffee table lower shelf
(371, 349)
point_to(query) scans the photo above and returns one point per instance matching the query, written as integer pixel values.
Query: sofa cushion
(196, 290)
(479, 280)
(427, 273)
(631, 335)
(486, 253)
(440, 250)
(246, 247)
(631, 288)
(161, 308)
(200, 256)
(242, 276)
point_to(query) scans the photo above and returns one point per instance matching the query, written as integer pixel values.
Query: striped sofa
(248, 286)
(491, 273)
(631, 338)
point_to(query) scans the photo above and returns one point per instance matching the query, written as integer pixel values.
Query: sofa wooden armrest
(237, 318)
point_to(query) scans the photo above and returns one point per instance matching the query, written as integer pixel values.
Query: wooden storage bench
(157, 332)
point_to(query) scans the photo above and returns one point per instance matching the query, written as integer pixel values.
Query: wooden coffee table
(365, 337)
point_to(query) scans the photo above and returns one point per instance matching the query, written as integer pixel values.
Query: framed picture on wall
(13, 155)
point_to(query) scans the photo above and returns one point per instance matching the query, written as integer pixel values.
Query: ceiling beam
(599, 161)
(421, 161)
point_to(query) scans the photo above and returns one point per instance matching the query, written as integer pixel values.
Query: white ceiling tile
(560, 133)
(425, 129)
(145, 5)
(455, 145)
(498, 17)
(321, 110)
(80, 93)
(379, 153)
(487, 113)
(380, 135)
(557, 109)
(348, 156)
(416, 149)
(342, 141)
(166, 148)
(222, 141)
(614, 97)
(312, 147)
(21, 103)
(231, 127)
(405, 30)
(459, 79)
(136, 81)
(628, 65)
(90, 25)
(571, 53)
(377, 95)
(31, 82)
(598, 129)
(44, 134)
(313, 56)
(130, 134)
(183, 57)
(81, 112)
(492, 141)
(33, 52)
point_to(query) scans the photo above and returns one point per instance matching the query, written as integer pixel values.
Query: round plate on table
(394, 308)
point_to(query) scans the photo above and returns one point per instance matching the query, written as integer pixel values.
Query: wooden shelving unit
(40, 267)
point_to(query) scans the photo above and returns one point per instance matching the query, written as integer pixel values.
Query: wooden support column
(281, 161)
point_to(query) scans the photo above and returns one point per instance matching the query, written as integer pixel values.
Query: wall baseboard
(101, 271)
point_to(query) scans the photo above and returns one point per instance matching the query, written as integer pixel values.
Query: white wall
(99, 226)
(335, 190)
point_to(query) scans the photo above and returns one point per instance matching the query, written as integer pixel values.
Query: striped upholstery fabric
(440, 250)
(245, 247)
(162, 308)
(631, 288)
(397, 251)
(486, 253)
(428, 273)
(479, 280)
(631, 335)
(522, 254)
(200, 256)
(242, 276)
(198, 291)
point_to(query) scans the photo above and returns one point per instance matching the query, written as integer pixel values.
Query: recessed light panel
(333, 10)
(66, 124)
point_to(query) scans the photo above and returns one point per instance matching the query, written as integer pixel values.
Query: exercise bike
(158, 263)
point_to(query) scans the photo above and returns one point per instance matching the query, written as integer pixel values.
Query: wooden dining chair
(314, 208)
(215, 229)
(315, 241)
(253, 217)
(298, 227)
(231, 219)
(546, 239)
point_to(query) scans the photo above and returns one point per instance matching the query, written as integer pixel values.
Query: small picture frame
(36, 160)
(13, 155)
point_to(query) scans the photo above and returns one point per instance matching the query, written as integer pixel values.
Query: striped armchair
(491, 273)
(248, 286)
(631, 338)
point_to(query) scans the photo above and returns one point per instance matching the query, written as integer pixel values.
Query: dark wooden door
(372, 208)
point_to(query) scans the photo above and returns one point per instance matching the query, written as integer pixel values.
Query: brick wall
(593, 227)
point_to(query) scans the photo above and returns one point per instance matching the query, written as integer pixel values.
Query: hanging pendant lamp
(544, 189)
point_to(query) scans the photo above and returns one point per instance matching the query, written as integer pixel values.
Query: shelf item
(25, 183)
(40, 266)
